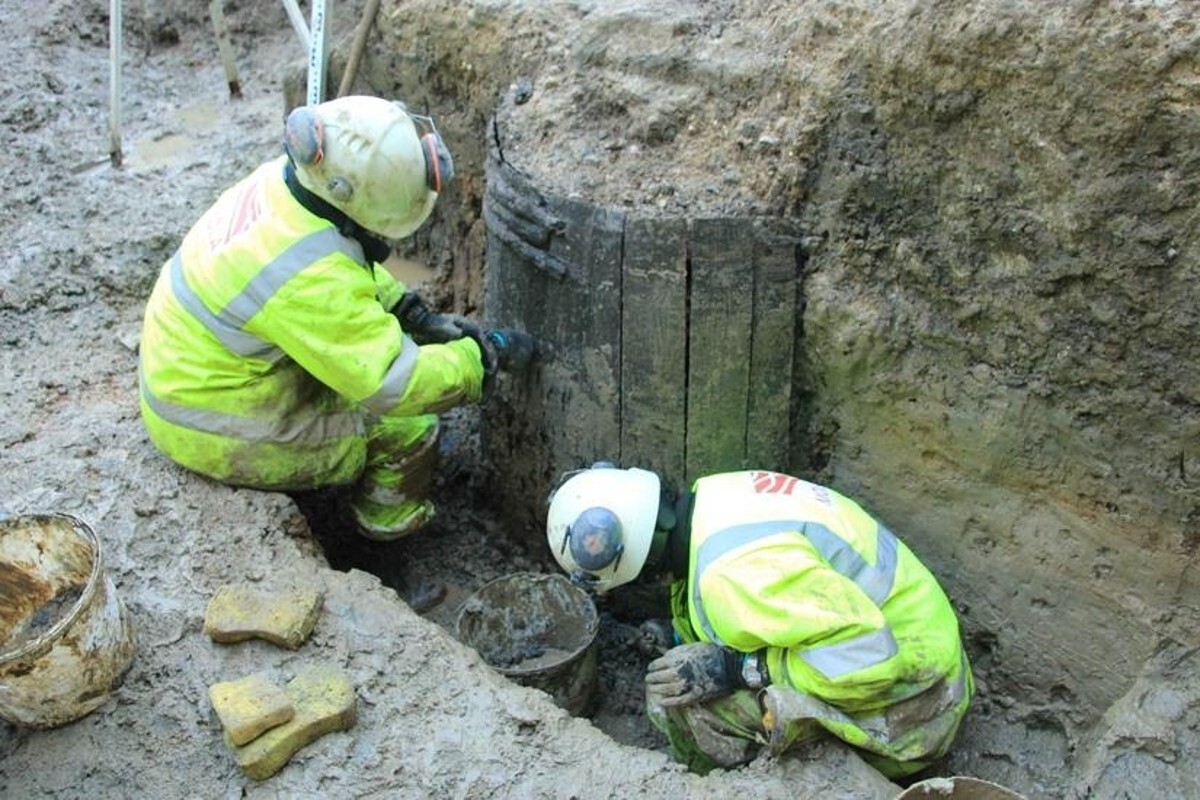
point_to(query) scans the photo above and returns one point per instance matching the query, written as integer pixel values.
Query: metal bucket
(66, 641)
(537, 630)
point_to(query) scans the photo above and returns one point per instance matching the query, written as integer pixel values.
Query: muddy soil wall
(998, 342)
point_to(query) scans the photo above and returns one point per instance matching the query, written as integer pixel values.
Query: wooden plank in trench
(566, 413)
(654, 345)
(773, 342)
(719, 337)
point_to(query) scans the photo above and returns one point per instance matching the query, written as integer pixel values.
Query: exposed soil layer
(1067, 545)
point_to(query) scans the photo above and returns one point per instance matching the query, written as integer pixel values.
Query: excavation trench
(992, 349)
(626, 307)
(677, 341)
(882, 247)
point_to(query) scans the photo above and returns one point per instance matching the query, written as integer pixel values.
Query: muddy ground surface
(82, 244)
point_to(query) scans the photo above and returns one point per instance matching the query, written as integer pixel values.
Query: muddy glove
(693, 673)
(655, 637)
(429, 327)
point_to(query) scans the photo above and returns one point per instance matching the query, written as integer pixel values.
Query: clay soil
(83, 242)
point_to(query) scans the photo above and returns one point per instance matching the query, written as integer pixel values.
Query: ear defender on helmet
(304, 137)
(601, 524)
(595, 539)
(439, 166)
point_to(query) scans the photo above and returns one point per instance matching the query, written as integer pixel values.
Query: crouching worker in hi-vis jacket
(794, 613)
(276, 351)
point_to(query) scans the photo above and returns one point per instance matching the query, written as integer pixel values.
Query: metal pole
(293, 12)
(114, 82)
(225, 47)
(317, 53)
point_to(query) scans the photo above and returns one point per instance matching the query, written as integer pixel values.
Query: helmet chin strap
(375, 249)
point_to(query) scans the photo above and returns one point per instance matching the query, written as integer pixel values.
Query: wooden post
(221, 28)
(114, 83)
(357, 47)
(553, 270)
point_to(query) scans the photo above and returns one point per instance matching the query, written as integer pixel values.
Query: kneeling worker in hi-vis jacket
(278, 353)
(794, 613)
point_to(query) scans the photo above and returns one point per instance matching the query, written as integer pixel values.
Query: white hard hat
(371, 159)
(601, 524)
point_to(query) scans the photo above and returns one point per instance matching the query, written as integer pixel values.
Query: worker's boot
(392, 496)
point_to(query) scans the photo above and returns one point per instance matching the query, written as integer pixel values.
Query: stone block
(240, 612)
(249, 706)
(324, 701)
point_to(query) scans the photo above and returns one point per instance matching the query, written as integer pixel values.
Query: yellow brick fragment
(249, 706)
(324, 702)
(240, 612)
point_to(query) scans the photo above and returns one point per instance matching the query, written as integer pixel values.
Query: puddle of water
(160, 152)
(172, 148)
(407, 271)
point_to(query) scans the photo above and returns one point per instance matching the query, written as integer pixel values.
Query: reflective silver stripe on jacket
(314, 430)
(395, 382)
(227, 325)
(227, 332)
(851, 655)
(875, 580)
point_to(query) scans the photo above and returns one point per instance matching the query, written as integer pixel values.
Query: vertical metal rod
(224, 46)
(114, 83)
(317, 53)
(301, 27)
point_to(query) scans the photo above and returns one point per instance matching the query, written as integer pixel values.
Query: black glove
(429, 327)
(693, 673)
(505, 350)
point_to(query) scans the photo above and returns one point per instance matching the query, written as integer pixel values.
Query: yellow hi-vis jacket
(845, 611)
(267, 344)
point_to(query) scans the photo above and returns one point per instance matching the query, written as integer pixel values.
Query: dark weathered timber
(654, 345)
(521, 218)
(566, 412)
(669, 343)
(773, 343)
(719, 338)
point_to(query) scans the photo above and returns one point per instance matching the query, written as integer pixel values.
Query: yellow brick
(239, 612)
(250, 705)
(324, 701)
